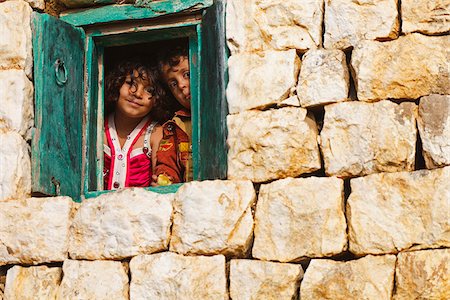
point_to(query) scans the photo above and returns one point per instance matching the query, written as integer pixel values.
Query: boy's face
(178, 80)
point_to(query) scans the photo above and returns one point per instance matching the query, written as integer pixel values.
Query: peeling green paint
(113, 13)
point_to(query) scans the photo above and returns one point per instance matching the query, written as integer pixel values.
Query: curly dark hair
(115, 78)
(172, 56)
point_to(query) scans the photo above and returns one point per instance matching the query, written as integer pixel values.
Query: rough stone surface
(252, 279)
(15, 44)
(16, 111)
(423, 275)
(370, 277)
(213, 217)
(255, 25)
(348, 22)
(15, 166)
(38, 4)
(323, 78)
(272, 144)
(434, 129)
(360, 138)
(39, 282)
(298, 218)
(407, 68)
(121, 224)
(387, 213)
(172, 276)
(425, 16)
(93, 280)
(34, 230)
(258, 80)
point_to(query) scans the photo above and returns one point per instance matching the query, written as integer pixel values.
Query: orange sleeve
(171, 156)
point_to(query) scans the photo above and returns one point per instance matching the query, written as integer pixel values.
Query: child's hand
(161, 180)
(164, 180)
(154, 181)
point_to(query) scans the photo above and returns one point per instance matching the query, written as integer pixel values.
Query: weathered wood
(169, 189)
(57, 139)
(93, 166)
(213, 106)
(113, 13)
(87, 3)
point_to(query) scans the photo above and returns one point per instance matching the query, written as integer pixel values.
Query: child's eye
(186, 75)
(172, 84)
(150, 90)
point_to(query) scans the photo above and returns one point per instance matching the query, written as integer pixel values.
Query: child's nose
(139, 91)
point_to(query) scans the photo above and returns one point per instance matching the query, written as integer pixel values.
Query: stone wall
(339, 170)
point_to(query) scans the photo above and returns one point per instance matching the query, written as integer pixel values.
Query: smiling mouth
(133, 102)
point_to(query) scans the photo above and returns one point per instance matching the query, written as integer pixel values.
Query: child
(174, 156)
(133, 100)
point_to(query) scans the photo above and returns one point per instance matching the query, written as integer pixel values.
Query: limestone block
(272, 144)
(171, 276)
(347, 22)
(38, 4)
(323, 78)
(360, 138)
(213, 217)
(425, 16)
(407, 68)
(259, 80)
(370, 277)
(99, 279)
(15, 44)
(15, 166)
(254, 25)
(423, 275)
(253, 279)
(298, 218)
(16, 111)
(291, 101)
(34, 230)
(121, 224)
(39, 282)
(434, 128)
(387, 213)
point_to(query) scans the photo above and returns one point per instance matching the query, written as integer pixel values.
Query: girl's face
(135, 97)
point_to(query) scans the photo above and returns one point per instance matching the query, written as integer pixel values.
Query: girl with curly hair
(134, 109)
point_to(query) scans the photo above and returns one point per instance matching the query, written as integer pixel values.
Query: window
(69, 60)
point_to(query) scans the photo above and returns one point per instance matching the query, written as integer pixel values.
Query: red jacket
(174, 155)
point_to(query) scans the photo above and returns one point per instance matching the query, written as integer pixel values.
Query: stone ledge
(213, 217)
(121, 224)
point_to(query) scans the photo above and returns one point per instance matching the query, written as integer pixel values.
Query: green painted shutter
(213, 104)
(58, 50)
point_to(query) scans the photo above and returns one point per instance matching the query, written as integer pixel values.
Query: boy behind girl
(174, 156)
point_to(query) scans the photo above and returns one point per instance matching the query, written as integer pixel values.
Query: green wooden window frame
(67, 152)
